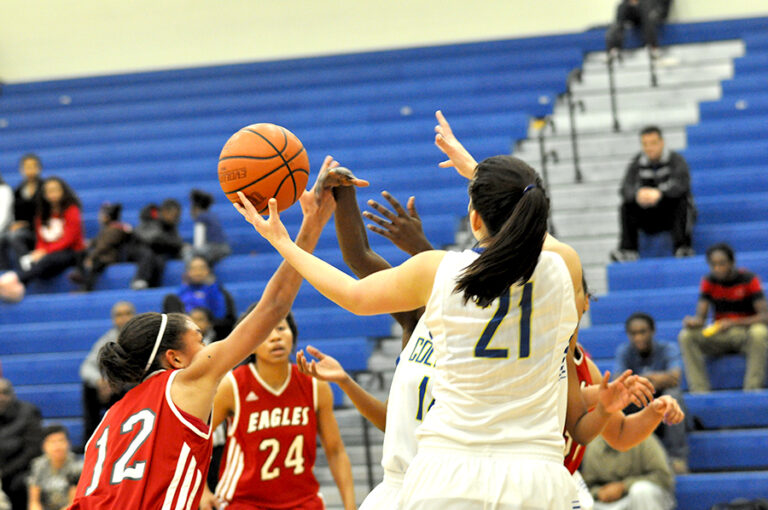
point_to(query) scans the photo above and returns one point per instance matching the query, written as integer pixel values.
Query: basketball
(264, 161)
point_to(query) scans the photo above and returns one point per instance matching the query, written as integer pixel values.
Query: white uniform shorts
(446, 479)
(586, 500)
(385, 495)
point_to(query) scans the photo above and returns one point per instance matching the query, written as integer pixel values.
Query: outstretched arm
(203, 375)
(458, 156)
(402, 288)
(327, 368)
(353, 240)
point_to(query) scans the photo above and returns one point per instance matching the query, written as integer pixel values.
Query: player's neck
(273, 374)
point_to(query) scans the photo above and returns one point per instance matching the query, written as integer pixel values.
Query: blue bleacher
(142, 137)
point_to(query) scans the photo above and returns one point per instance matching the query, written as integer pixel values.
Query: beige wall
(59, 38)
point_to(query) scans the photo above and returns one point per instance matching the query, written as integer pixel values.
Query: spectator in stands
(6, 217)
(659, 362)
(201, 290)
(98, 395)
(20, 238)
(657, 197)
(5, 503)
(647, 15)
(203, 319)
(59, 229)
(741, 315)
(53, 476)
(156, 240)
(637, 479)
(104, 249)
(20, 436)
(208, 239)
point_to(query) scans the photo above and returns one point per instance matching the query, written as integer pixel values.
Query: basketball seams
(267, 174)
(277, 191)
(280, 153)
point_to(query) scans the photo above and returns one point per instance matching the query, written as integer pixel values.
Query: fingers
(412, 207)
(273, 210)
(394, 203)
(624, 376)
(606, 378)
(360, 183)
(247, 204)
(445, 164)
(315, 352)
(380, 231)
(384, 223)
(442, 122)
(382, 210)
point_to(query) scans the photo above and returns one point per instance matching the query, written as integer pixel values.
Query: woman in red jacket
(59, 232)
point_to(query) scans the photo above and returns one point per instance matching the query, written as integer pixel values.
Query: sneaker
(139, 284)
(684, 251)
(621, 255)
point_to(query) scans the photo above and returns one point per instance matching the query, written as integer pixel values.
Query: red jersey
(61, 232)
(269, 458)
(145, 454)
(574, 451)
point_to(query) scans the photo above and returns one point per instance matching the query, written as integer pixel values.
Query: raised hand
(404, 229)
(326, 368)
(271, 229)
(669, 408)
(458, 156)
(641, 390)
(332, 176)
(209, 501)
(318, 203)
(614, 396)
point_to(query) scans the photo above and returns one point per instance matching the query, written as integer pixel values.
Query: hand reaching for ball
(271, 229)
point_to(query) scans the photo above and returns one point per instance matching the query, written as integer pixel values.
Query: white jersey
(410, 397)
(501, 377)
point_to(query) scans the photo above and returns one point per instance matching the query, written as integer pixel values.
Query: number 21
(526, 307)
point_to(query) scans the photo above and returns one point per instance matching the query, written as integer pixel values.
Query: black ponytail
(512, 202)
(123, 362)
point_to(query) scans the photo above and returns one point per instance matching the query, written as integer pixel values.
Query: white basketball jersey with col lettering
(500, 377)
(410, 397)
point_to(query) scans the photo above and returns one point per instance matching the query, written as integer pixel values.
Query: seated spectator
(54, 475)
(20, 436)
(5, 503)
(647, 15)
(156, 239)
(6, 214)
(741, 315)
(637, 479)
(104, 249)
(659, 362)
(59, 229)
(209, 240)
(20, 237)
(657, 198)
(200, 290)
(203, 319)
(98, 395)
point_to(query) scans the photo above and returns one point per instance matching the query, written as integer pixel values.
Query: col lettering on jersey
(410, 397)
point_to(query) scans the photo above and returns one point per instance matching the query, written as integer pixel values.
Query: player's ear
(173, 359)
(475, 221)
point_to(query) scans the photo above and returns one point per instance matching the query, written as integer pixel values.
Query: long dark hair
(68, 198)
(516, 221)
(122, 363)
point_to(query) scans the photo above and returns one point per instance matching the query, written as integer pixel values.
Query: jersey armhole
(205, 434)
(314, 393)
(236, 397)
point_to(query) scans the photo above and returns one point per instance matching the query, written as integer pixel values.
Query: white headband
(157, 342)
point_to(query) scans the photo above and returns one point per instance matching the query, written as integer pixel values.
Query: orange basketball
(264, 161)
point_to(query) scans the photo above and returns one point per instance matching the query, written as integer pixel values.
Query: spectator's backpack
(743, 504)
